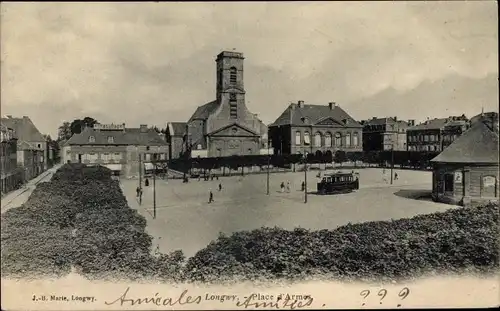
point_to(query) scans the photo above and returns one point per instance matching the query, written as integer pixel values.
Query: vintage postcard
(249, 155)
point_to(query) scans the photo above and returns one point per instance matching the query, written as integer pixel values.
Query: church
(225, 126)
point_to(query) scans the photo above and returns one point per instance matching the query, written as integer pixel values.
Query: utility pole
(140, 178)
(392, 161)
(305, 178)
(268, 163)
(154, 190)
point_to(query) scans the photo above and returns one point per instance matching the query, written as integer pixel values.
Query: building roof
(293, 115)
(202, 112)
(24, 128)
(130, 136)
(479, 144)
(177, 128)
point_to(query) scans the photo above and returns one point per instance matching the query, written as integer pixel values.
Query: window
(338, 139)
(105, 157)
(426, 138)
(233, 106)
(328, 139)
(348, 139)
(355, 140)
(198, 147)
(317, 140)
(233, 75)
(449, 181)
(91, 139)
(297, 138)
(111, 139)
(93, 157)
(148, 156)
(162, 156)
(307, 138)
(117, 156)
(489, 187)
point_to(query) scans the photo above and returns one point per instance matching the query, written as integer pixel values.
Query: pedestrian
(217, 177)
(287, 186)
(282, 186)
(211, 197)
(137, 191)
(303, 186)
(220, 187)
(396, 176)
(146, 182)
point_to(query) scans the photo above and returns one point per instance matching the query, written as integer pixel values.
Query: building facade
(466, 173)
(123, 150)
(381, 134)
(225, 126)
(176, 139)
(436, 134)
(10, 174)
(29, 136)
(303, 129)
(30, 160)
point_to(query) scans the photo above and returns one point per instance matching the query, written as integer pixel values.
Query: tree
(64, 131)
(78, 125)
(340, 156)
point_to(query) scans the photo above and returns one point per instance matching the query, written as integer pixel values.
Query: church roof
(202, 112)
(293, 115)
(131, 136)
(479, 144)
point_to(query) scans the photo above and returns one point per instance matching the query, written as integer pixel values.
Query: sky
(150, 63)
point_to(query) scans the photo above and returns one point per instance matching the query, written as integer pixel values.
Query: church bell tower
(230, 86)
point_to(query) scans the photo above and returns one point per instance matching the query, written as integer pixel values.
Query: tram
(339, 182)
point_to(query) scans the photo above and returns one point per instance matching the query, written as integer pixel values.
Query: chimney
(25, 117)
(332, 105)
(293, 106)
(411, 122)
(301, 104)
(396, 119)
(144, 128)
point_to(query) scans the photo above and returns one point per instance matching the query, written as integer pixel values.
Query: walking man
(211, 197)
(303, 186)
(282, 186)
(287, 186)
(395, 176)
(220, 186)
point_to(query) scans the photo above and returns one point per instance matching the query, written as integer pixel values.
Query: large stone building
(466, 172)
(436, 134)
(306, 129)
(119, 148)
(381, 134)
(32, 149)
(225, 126)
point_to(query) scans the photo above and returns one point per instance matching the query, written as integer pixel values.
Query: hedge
(81, 220)
(458, 240)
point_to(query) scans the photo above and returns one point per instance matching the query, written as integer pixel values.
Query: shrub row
(81, 220)
(458, 240)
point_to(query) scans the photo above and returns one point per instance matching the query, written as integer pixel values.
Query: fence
(403, 159)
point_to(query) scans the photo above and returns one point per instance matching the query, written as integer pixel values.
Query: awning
(114, 167)
(149, 166)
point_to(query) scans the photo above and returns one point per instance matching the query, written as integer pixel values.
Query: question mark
(403, 294)
(383, 293)
(365, 294)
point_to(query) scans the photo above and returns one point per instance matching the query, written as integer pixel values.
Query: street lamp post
(392, 162)
(268, 164)
(305, 178)
(154, 189)
(140, 178)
